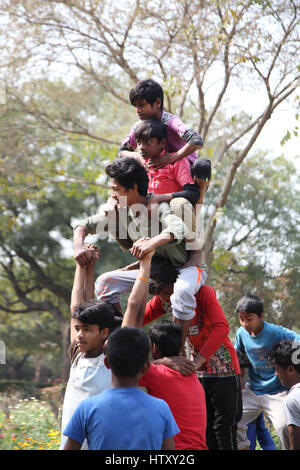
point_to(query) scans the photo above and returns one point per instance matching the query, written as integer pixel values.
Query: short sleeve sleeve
(75, 428)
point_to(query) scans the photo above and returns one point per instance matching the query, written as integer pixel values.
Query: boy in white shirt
(91, 323)
(286, 358)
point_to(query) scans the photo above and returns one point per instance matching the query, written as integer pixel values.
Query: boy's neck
(294, 381)
(158, 114)
(124, 382)
(141, 200)
(259, 329)
(94, 353)
(162, 152)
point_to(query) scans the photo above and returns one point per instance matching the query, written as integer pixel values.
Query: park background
(229, 69)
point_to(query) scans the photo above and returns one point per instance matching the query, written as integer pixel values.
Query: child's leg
(184, 209)
(224, 403)
(188, 283)
(109, 286)
(252, 407)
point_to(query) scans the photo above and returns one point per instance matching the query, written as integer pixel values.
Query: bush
(26, 388)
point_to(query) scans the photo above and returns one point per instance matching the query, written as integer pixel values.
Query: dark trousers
(224, 410)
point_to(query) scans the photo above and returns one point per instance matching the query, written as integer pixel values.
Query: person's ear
(163, 142)
(135, 188)
(104, 333)
(145, 367)
(158, 102)
(106, 363)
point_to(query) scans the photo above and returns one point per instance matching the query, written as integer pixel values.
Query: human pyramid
(192, 394)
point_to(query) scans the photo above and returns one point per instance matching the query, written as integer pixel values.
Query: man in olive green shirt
(129, 211)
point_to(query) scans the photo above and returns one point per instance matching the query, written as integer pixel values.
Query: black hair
(243, 359)
(149, 129)
(147, 90)
(128, 172)
(201, 168)
(167, 336)
(98, 312)
(162, 273)
(127, 350)
(250, 304)
(285, 353)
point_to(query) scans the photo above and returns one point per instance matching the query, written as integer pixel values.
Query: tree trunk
(38, 367)
(65, 368)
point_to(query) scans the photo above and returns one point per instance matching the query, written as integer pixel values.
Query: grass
(34, 424)
(28, 424)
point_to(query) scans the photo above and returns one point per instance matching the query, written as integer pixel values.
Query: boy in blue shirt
(264, 391)
(123, 417)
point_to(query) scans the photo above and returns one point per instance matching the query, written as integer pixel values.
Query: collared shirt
(140, 224)
(177, 136)
(292, 406)
(171, 178)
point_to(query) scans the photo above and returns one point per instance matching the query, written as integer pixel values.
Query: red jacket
(208, 334)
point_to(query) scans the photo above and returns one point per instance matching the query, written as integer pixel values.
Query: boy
(129, 184)
(264, 392)
(91, 322)
(173, 183)
(285, 356)
(257, 430)
(215, 359)
(180, 178)
(184, 394)
(148, 97)
(124, 417)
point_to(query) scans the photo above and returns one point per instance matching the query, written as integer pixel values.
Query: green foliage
(257, 243)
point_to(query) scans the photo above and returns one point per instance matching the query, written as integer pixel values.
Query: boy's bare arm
(294, 437)
(83, 285)
(185, 324)
(140, 248)
(199, 361)
(168, 444)
(130, 267)
(72, 445)
(90, 274)
(78, 292)
(134, 314)
(170, 158)
(82, 254)
(181, 364)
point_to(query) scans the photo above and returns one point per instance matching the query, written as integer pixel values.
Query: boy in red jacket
(215, 358)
